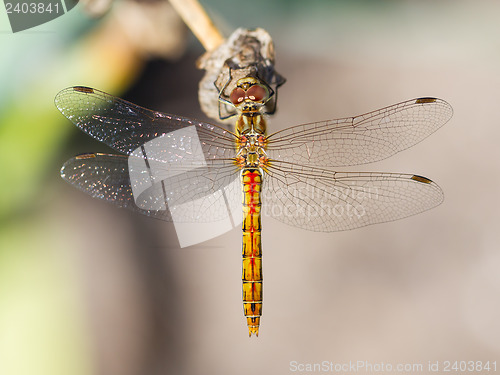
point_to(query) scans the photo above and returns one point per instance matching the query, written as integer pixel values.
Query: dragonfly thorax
(249, 122)
(251, 150)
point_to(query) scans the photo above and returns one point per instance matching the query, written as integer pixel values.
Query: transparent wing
(361, 139)
(326, 201)
(193, 195)
(125, 126)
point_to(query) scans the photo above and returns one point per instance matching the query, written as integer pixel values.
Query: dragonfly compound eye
(237, 96)
(256, 93)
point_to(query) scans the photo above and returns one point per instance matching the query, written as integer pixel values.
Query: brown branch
(199, 22)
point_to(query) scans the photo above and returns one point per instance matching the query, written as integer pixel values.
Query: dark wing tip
(84, 89)
(85, 156)
(421, 179)
(425, 100)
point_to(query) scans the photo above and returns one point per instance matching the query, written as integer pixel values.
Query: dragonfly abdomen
(252, 249)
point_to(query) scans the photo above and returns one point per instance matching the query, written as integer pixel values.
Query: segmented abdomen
(252, 249)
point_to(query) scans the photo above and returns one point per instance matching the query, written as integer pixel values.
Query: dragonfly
(291, 175)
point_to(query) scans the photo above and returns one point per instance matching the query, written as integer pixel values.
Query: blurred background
(86, 288)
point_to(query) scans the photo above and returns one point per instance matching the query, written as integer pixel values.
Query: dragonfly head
(250, 94)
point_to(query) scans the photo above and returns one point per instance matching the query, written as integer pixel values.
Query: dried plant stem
(198, 21)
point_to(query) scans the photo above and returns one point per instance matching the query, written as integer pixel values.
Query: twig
(198, 21)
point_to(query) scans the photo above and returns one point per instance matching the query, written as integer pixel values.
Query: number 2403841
(32, 8)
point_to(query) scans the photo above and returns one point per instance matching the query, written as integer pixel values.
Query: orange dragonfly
(291, 175)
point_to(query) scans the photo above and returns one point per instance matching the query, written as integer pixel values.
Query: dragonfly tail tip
(253, 330)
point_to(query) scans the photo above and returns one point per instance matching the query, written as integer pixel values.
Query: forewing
(323, 200)
(125, 126)
(361, 139)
